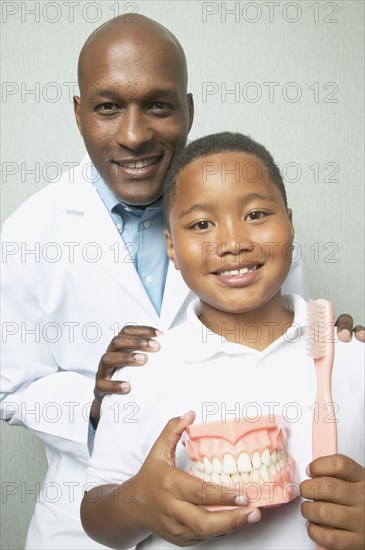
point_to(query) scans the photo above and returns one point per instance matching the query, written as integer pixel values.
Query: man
(101, 263)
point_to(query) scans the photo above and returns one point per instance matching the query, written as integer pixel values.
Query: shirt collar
(205, 344)
(111, 200)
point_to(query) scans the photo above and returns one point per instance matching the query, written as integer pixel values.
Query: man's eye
(161, 106)
(203, 224)
(107, 108)
(257, 215)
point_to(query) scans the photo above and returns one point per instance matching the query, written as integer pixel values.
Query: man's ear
(191, 110)
(290, 217)
(170, 250)
(77, 112)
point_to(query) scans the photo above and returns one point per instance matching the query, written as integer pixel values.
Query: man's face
(134, 114)
(230, 233)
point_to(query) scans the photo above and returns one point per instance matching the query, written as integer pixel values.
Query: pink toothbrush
(320, 346)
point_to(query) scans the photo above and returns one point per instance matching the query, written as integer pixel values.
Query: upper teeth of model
(257, 467)
(139, 163)
(241, 271)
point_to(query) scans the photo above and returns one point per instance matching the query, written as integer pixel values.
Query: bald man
(101, 264)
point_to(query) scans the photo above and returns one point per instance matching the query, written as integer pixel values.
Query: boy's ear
(290, 216)
(170, 248)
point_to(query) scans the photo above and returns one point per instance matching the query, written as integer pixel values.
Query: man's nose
(134, 129)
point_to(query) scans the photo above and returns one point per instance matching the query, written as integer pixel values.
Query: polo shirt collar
(203, 344)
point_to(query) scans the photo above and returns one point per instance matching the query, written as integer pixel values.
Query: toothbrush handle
(324, 426)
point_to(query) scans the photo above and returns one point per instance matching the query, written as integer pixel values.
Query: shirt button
(149, 279)
(119, 226)
(147, 224)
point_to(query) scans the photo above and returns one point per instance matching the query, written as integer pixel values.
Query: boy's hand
(169, 500)
(337, 515)
(345, 329)
(127, 348)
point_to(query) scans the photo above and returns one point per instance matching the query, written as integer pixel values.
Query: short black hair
(218, 143)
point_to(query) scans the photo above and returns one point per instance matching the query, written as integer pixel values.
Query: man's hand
(170, 501)
(337, 514)
(125, 349)
(345, 328)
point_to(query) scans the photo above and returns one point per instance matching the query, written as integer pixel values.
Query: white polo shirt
(197, 369)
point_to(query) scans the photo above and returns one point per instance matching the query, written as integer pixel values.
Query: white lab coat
(68, 288)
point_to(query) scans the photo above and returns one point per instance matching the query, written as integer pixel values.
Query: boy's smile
(230, 235)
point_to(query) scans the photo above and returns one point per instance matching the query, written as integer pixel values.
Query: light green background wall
(307, 50)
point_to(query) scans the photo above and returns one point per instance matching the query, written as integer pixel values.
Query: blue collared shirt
(142, 232)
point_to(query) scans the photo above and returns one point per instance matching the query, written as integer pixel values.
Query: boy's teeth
(241, 271)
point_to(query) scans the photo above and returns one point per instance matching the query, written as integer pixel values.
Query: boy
(230, 234)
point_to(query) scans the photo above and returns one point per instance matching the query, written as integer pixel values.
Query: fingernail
(360, 335)
(154, 345)
(254, 516)
(307, 471)
(346, 334)
(158, 332)
(240, 501)
(185, 415)
(125, 387)
(140, 357)
(306, 524)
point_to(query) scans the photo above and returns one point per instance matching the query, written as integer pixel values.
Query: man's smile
(142, 167)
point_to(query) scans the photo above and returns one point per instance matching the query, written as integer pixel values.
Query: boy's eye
(203, 224)
(257, 215)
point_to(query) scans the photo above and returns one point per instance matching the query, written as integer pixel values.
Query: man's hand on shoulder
(128, 348)
(345, 329)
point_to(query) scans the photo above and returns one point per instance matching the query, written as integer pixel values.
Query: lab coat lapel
(175, 294)
(88, 218)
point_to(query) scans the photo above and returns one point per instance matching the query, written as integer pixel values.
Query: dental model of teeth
(250, 454)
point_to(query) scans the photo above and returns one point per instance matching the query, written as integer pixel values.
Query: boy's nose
(235, 240)
(134, 130)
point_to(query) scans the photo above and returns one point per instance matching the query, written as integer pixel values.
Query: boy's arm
(161, 499)
(337, 514)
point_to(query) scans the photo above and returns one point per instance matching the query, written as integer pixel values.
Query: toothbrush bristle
(317, 328)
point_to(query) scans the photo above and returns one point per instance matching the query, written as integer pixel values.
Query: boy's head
(229, 230)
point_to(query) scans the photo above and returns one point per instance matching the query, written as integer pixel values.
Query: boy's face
(230, 233)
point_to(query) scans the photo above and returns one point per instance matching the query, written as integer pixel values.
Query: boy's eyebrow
(245, 200)
(196, 207)
(257, 196)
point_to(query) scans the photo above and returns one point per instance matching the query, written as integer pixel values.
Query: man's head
(133, 112)
(230, 231)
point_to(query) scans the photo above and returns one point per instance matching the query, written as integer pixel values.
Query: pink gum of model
(247, 451)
